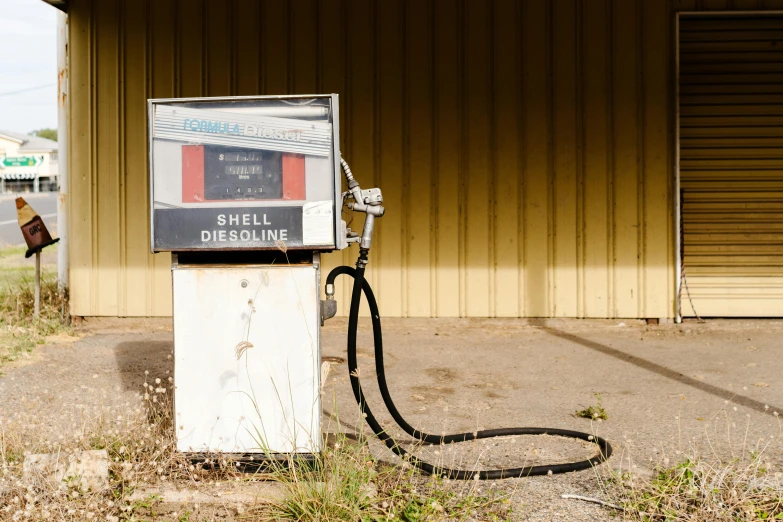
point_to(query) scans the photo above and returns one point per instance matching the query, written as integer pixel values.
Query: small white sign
(317, 223)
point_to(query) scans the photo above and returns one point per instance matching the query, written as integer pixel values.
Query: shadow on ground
(133, 358)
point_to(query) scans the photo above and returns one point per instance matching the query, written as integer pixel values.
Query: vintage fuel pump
(246, 195)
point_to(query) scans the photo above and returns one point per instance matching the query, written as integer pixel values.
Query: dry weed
(711, 480)
(139, 440)
(345, 483)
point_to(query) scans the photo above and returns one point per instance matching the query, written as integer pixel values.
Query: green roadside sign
(20, 161)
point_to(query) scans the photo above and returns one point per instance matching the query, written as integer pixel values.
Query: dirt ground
(663, 387)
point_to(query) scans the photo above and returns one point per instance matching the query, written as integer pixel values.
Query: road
(44, 203)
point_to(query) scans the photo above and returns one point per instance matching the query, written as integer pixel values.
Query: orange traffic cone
(33, 229)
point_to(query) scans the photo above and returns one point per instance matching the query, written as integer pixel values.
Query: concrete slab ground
(663, 387)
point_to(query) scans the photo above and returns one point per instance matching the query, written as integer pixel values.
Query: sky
(28, 62)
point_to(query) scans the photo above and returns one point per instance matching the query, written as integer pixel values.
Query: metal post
(676, 195)
(62, 151)
(37, 311)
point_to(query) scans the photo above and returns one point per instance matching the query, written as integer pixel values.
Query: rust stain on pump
(61, 98)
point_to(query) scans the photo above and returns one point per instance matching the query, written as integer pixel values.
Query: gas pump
(246, 195)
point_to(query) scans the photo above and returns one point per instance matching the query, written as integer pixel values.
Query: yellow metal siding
(524, 147)
(731, 105)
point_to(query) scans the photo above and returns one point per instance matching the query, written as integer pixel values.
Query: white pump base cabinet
(247, 358)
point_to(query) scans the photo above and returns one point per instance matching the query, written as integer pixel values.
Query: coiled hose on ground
(361, 286)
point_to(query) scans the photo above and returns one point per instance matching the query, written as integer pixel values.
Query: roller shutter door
(731, 165)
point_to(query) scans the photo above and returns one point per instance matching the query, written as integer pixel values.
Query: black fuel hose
(361, 285)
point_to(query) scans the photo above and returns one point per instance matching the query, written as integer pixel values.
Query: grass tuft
(698, 489)
(712, 481)
(348, 483)
(595, 412)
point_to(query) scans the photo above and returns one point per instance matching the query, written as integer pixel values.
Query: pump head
(368, 201)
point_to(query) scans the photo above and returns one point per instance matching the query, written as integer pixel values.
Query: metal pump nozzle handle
(367, 201)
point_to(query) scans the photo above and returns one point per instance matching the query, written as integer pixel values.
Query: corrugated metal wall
(524, 147)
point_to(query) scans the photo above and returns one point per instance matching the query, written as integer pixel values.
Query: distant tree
(49, 134)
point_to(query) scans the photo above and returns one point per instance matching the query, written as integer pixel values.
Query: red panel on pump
(293, 176)
(192, 173)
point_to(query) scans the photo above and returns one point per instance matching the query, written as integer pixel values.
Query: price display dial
(237, 173)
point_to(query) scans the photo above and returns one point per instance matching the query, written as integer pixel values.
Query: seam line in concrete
(666, 372)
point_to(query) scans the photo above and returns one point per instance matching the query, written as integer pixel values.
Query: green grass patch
(20, 331)
(16, 270)
(13, 251)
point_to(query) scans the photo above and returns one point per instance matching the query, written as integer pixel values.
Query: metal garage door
(731, 161)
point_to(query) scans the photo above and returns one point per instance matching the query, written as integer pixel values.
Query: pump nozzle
(367, 201)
